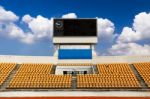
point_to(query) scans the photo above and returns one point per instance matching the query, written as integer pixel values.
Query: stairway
(95, 69)
(140, 79)
(74, 82)
(8, 79)
(53, 69)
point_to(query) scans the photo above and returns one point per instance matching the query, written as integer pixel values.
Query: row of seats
(110, 76)
(55, 81)
(74, 64)
(35, 68)
(5, 70)
(38, 76)
(84, 81)
(144, 71)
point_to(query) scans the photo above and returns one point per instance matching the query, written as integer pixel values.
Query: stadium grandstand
(75, 69)
(126, 74)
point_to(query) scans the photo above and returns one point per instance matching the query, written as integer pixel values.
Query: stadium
(75, 69)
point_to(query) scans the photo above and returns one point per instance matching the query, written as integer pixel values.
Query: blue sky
(121, 13)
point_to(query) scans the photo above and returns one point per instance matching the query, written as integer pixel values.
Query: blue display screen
(75, 54)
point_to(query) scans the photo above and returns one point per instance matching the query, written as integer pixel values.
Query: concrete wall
(60, 69)
(27, 59)
(54, 60)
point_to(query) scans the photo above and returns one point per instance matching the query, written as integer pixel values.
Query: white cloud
(139, 31)
(69, 15)
(10, 29)
(126, 43)
(27, 18)
(7, 16)
(142, 24)
(13, 31)
(28, 38)
(105, 29)
(39, 26)
(129, 49)
(128, 35)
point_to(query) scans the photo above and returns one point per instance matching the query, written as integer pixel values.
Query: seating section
(144, 70)
(38, 76)
(5, 70)
(74, 64)
(110, 76)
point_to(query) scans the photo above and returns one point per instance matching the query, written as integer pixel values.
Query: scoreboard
(75, 30)
(75, 27)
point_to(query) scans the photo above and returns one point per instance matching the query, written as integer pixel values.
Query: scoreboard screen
(75, 27)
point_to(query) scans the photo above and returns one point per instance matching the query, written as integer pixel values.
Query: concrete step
(74, 82)
(95, 69)
(53, 69)
(11, 75)
(139, 78)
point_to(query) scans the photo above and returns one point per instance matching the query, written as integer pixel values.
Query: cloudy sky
(26, 25)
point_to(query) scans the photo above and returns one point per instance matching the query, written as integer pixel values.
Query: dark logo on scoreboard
(58, 24)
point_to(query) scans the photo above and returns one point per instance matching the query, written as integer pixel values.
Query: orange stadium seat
(38, 76)
(5, 70)
(110, 76)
